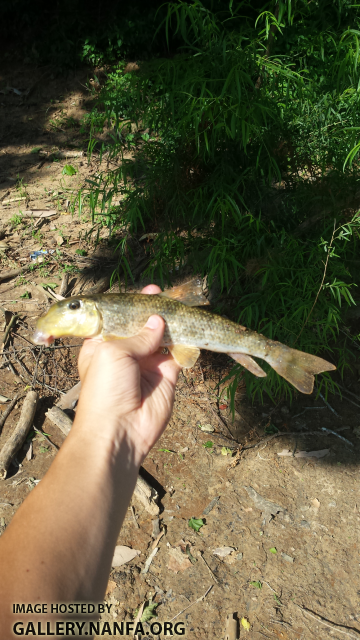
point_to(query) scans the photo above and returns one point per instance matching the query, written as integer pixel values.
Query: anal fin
(184, 355)
(249, 364)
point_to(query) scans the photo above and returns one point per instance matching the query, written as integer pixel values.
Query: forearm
(59, 545)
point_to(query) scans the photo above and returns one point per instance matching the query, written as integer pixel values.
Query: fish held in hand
(188, 329)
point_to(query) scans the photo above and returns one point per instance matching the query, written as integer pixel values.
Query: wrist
(110, 437)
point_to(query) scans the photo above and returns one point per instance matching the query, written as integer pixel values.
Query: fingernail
(153, 322)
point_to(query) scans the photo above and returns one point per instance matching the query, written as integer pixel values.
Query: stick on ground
(8, 410)
(18, 437)
(147, 495)
(60, 419)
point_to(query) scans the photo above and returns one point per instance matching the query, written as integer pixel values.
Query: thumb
(147, 341)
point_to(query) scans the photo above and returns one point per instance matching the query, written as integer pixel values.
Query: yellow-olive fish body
(187, 330)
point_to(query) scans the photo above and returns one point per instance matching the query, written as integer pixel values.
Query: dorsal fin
(189, 293)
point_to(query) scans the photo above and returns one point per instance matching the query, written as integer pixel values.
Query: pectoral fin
(249, 364)
(185, 356)
(189, 293)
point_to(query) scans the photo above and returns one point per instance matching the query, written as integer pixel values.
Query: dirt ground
(292, 566)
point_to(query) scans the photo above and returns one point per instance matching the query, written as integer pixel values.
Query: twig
(347, 391)
(17, 378)
(36, 367)
(219, 419)
(337, 435)
(328, 623)
(9, 409)
(306, 409)
(161, 534)
(149, 560)
(321, 285)
(294, 433)
(134, 517)
(13, 319)
(46, 438)
(191, 603)
(327, 404)
(208, 568)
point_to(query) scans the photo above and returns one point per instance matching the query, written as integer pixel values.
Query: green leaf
(26, 294)
(69, 170)
(149, 612)
(35, 150)
(166, 450)
(50, 285)
(208, 444)
(257, 584)
(81, 252)
(225, 451)
(196, 523)
(273, 550)
(270, 429)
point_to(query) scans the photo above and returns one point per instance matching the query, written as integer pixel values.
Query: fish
(188, 328)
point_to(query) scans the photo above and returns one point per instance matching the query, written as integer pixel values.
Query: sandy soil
(292, 568)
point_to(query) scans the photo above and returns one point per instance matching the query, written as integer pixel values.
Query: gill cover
(78, 317)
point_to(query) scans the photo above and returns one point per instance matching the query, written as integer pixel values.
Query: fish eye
(74, 305)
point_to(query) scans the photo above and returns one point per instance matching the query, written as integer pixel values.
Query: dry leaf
(178, 560)
(246, 624)
(222, 552)
(123, 555)
(111, 585)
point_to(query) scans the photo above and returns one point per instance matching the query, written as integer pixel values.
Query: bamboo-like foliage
(247, 151)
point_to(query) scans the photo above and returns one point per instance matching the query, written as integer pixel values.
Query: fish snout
(40, 337)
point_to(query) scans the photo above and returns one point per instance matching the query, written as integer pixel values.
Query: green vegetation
(242, 123)
(244, 165)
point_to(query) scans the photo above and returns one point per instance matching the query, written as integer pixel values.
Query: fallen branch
(7, 275)
(60, 419)
(64, 285)
(18, 437)
(69, 400)
(8, 410)
(147, 495)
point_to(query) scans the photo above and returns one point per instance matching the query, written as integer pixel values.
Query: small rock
(239, 556)
(284, 410)
(287, 558)
(304, 524)
(59, 240)
(332, 504)
(207, 428)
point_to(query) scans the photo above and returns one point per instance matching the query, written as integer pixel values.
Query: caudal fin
(297, 367)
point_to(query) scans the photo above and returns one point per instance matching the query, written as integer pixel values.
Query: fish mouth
(40, 337)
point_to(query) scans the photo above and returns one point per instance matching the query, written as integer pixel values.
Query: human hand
(128, 386)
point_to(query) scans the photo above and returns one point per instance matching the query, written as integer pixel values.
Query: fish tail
(296, 367)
